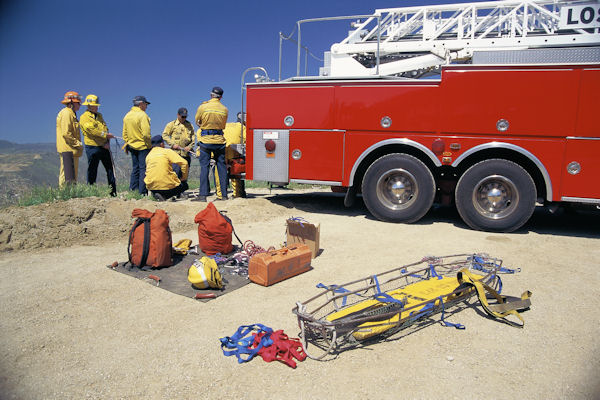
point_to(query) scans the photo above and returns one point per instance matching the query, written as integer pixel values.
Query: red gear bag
(214, 231)
(150, 241)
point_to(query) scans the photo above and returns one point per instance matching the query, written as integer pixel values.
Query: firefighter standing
(136, 133)
(211, 118)
(68, 139)
(166, 171)
(179, 134)
(233, 135)
(96, 139)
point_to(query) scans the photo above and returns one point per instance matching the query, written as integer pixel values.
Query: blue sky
(173, 52)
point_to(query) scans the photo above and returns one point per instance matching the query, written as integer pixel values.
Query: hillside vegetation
(27, 167)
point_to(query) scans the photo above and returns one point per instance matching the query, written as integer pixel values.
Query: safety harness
(282, 349)
(242, 344)
(258, 339)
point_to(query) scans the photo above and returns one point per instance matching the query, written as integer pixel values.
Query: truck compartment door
(270, 155)
(581, 169)
(316, 155)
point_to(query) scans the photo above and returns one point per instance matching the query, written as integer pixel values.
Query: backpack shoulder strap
(232, 228)
(146, 244)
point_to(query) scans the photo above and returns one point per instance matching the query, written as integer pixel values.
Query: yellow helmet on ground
(204, 273)
(91, 100)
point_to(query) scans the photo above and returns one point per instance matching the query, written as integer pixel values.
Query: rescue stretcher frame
(331, 336)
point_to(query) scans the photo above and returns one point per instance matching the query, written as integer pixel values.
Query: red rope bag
(214, 231)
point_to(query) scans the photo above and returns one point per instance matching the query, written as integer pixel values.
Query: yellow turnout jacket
(232, 136)
(159, 172)
(68, 135)
(94, 129)
(180, 134)
(136, 129)
(211, 115)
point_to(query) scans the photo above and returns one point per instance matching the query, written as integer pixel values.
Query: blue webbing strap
(446, 323)
(428, 309)
(498, 285)
(433, 273)
(240, 343)
(300, 220)
(384, 297)
(403, 271)
(336, 289)
(374, 277)
(219, 259)
(424, 311)
(479, 265)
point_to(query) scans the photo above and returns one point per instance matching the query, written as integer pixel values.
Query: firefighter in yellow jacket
(211, 118)
(179, 134)
(136, 133)
(96, 139)
(68, 139)
(165, 171)
(233, 135)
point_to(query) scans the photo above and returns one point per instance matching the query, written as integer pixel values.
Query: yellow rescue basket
(382, 304)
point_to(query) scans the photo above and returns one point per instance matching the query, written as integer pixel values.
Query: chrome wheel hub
(495, 196)
(397, 189)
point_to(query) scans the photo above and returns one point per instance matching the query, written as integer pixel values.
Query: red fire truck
(495, 137)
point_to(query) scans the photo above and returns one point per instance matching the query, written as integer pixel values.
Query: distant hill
(9, 147)
(23, 166)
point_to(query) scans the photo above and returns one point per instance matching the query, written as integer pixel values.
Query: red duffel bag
(150, 241)
(237, 166)
(214, 231)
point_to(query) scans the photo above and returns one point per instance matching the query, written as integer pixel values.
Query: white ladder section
(395, 40)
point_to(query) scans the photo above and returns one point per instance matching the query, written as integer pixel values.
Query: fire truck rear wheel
(398, 188)
(495, 195)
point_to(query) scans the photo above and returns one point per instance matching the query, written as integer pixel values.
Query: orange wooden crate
(274, 266)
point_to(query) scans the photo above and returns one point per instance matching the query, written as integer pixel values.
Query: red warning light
(438, 146)
(270, 145)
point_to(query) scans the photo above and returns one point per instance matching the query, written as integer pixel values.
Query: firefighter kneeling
(234, 135)
(165, 169)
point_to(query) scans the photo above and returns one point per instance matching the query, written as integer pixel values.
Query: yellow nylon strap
(464, 276)
(182, 246)
(511, 304)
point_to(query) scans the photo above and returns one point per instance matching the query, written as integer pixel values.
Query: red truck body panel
(551, 111)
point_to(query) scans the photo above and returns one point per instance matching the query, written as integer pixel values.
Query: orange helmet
(71, 97)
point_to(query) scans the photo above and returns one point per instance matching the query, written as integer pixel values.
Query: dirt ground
(72, 329)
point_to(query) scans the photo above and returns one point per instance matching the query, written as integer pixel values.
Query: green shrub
(47, 194)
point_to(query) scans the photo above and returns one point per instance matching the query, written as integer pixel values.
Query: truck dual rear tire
(398, 188)
(495, 195)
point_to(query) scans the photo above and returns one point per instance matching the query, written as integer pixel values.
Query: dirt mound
(98, 220)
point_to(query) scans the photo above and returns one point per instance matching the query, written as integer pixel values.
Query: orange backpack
(214, 231)
(150, 241)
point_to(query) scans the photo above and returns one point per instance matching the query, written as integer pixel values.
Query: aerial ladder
(417, 41)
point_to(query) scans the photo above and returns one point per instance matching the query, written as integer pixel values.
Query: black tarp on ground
(174, 278)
